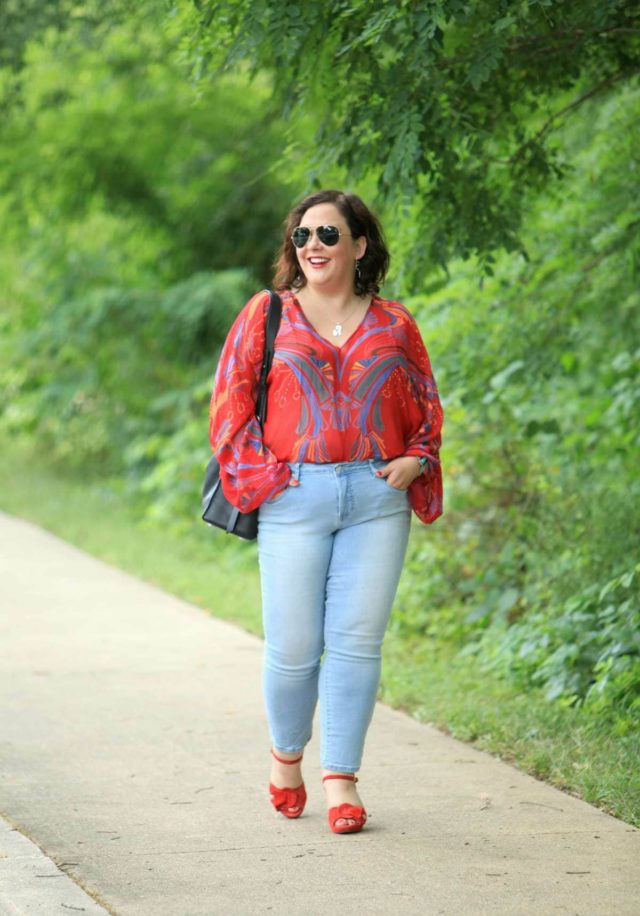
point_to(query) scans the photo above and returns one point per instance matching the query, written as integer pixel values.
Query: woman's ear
(361, 246)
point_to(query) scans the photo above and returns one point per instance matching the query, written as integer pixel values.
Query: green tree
(451, 106)
(25, 21)
(113, 127)
(535, 566)
(139, 212)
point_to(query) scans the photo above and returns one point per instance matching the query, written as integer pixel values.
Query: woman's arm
(425, 486)
(249, 472)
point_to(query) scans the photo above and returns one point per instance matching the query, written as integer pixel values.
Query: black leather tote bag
(216, 508)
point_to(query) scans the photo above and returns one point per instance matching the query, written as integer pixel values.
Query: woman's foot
(346, 811)
(286, 788)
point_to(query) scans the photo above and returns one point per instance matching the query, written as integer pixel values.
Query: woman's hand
(401, 472)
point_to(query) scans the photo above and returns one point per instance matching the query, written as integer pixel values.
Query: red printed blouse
(375, 397)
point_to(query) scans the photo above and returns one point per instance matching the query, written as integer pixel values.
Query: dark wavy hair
(361, 222)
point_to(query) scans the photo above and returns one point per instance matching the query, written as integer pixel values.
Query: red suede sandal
(346, 811)
(289, 802)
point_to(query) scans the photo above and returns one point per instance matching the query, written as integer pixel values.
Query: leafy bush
(586, 650)
(112, 373)
(141, 213)
(540, 371)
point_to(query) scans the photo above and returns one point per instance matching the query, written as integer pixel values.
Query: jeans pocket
(280, 497)
(277, 498)
(375, 465)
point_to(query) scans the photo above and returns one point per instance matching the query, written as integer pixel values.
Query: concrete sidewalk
(134, 752)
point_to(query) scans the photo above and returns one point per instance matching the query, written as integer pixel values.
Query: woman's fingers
(400, 472)
(395, 477)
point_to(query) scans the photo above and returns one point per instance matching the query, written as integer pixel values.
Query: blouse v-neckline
(326, 340)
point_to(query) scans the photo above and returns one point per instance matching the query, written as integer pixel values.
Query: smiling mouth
(318, 262)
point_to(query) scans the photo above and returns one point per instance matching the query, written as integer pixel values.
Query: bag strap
(273, 323)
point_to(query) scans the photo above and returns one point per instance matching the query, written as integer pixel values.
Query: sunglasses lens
(328, 235)
(300, 237)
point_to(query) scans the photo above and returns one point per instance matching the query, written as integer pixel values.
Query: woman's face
(329, 267)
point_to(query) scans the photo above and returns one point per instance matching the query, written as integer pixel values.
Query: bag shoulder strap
(273, 323)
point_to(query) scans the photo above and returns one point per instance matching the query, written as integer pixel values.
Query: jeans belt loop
(295, 469)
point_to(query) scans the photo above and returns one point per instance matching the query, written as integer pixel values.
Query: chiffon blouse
(373, 398)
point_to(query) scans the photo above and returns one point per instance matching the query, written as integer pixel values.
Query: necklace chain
(339, 325)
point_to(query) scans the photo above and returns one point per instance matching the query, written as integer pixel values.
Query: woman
(350, 446)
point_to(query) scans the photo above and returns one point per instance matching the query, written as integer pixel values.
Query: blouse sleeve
(425, 493)
(249, 472)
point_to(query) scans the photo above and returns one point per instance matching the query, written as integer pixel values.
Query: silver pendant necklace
(339, 325)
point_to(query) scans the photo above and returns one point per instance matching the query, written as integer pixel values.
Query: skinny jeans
(331, 550)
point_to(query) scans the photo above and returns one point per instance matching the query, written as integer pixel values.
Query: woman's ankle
(288, 758)
(285, 769)
(339, 789)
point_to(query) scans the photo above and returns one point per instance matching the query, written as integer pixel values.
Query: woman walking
(349, 447)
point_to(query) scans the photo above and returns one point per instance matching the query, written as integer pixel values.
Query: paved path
(133, 752)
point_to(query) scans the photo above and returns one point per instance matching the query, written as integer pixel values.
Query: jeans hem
(339, 769)
(287, 750)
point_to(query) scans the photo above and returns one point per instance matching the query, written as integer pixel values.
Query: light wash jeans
(331, 551)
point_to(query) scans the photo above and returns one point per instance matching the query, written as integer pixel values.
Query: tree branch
(609, 81)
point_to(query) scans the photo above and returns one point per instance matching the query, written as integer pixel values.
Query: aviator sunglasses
(328, 235)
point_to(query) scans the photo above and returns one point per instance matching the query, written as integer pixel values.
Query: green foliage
(111, 373)
(141, 213)
(23, 21)
(114, 132)
(451, 105)
(532, 571)
(587, 650)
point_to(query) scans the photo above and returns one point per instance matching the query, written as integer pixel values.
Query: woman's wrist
(421, 463)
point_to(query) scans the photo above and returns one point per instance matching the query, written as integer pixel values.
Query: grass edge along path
(562, 746)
